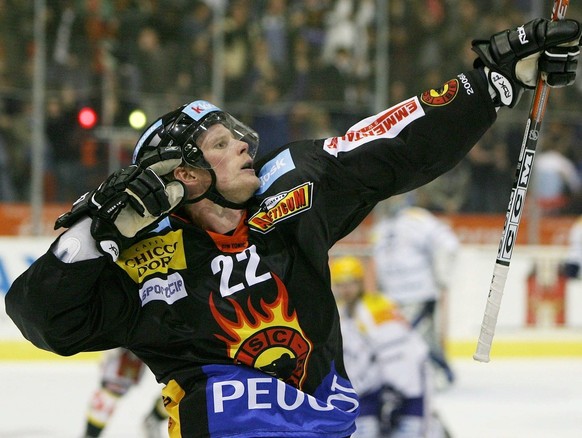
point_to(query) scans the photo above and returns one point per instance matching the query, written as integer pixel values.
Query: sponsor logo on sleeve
(156, 255)
(282, 206)
(387, 124)
(169, 289)
(274, 169)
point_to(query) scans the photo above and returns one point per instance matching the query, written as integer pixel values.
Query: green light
(137, 119)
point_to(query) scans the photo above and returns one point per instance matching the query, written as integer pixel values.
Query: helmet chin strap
(214, 195)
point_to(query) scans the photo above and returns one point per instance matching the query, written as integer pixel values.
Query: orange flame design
(270, 339)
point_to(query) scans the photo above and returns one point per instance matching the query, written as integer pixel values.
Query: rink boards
(538, 315)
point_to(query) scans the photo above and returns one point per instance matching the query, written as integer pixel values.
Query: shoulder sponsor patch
(282, 206)
(387, 124)
(274, 169)
(154, 255)
(169, 289)
(441, 96)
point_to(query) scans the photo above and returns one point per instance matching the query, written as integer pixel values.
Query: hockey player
(387, 360)
(414, 253)
(228, 299)
(120, 371)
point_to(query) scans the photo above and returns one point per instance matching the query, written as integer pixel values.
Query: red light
(87, 118)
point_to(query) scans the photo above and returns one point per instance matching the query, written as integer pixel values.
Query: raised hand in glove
(513, 57)
(131, 200)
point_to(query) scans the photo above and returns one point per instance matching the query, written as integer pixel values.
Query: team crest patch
(269, 338)
(282, 206)
(441, 96)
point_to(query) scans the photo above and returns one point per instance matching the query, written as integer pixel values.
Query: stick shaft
(515, 207)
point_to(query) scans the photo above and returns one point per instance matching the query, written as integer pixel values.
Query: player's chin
(254, 182)
(254, 186)
(246, 188)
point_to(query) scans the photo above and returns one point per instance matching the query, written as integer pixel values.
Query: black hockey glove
(129, 201)
(513, 57)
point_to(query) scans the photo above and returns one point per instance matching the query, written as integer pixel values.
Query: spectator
(7, 189)
(491, 174)
(556, 180)
(271, 118)
(155, 67)
(274, 29)
(196, 21)
(448, 193)
(60, 132)
(237, 50)
(194, 77)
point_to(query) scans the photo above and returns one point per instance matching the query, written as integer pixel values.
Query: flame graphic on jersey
(270, 339)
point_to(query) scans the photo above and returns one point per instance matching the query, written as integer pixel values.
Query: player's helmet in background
(174, 135)
(347, 268)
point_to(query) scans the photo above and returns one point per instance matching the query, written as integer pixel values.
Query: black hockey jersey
(242, 328)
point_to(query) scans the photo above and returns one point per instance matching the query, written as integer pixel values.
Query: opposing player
(386, 359)
(228, 299)
(414, 254)
(120, 371)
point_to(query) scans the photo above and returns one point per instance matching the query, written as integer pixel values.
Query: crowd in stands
(291, 69)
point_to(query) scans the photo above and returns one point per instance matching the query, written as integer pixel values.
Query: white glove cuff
(492, 91)
(76, 244)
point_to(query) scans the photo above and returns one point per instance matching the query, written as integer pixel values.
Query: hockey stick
(515, 207)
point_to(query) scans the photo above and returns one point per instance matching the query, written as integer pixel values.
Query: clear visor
(238, 130)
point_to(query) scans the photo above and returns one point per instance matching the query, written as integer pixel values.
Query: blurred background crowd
(291, 69)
